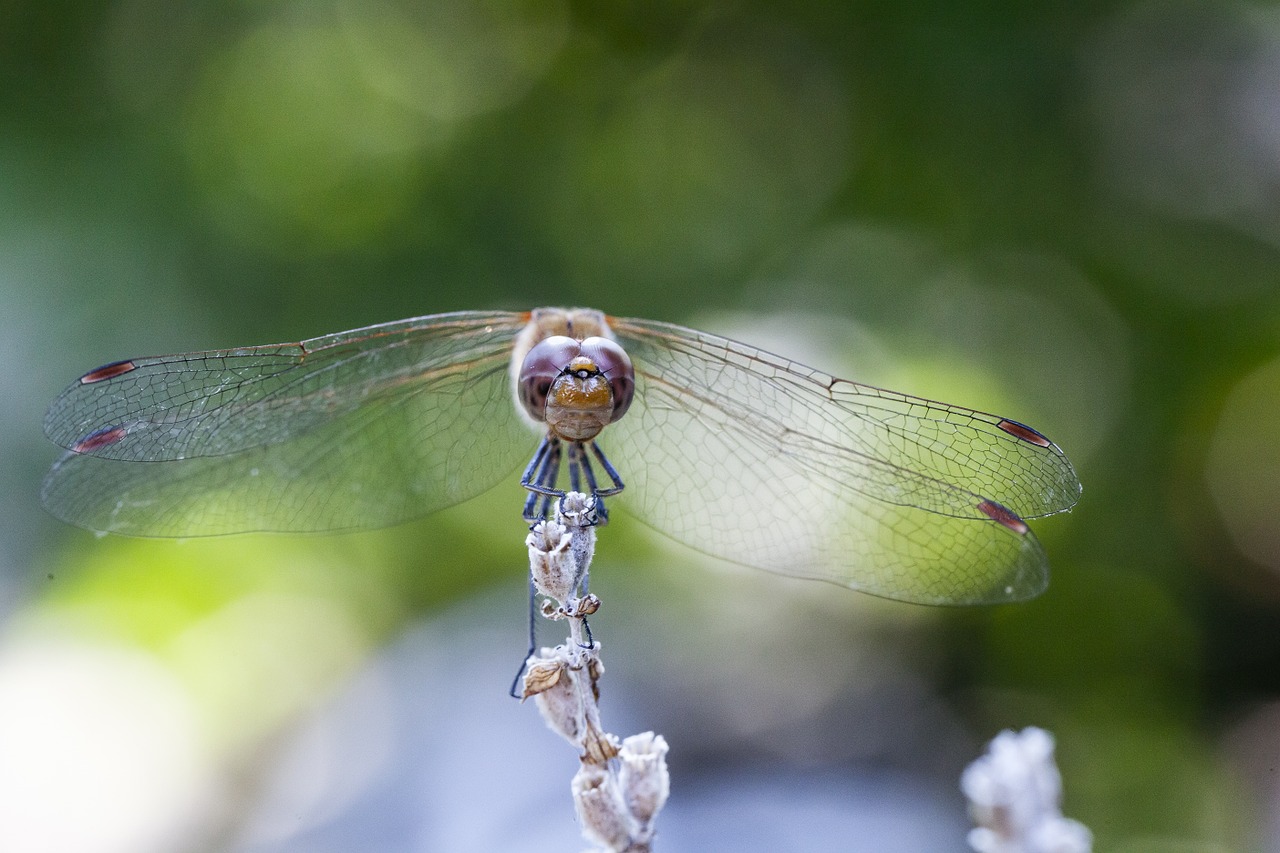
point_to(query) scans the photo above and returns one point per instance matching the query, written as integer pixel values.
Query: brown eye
(613, 362)
(540, 368)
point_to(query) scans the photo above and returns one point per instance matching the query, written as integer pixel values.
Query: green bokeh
(965, 187)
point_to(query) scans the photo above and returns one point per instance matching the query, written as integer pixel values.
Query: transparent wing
(353, 430)
(763, 461)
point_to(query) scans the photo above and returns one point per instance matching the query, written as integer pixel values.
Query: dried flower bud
(561, 702)
(600, 808)
(1015, 794)
(577, 510)
(643, 775)
(553, 566)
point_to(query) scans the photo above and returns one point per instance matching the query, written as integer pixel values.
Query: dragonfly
(733, 451)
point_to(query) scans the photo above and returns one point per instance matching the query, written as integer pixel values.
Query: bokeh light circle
(1243, 465)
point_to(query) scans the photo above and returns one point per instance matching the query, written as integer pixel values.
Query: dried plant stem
(621, 785)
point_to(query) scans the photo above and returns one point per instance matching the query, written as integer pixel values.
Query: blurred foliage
(1063, 211)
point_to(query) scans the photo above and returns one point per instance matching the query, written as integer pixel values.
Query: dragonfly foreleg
(540, 479)
(576, 460)
(579, 458)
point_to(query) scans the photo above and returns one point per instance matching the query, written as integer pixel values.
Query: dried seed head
(577, 513)
(561, 708)
(643, 775)
(553, 566)
(1015, 796)
(600, 808)
(577, 510)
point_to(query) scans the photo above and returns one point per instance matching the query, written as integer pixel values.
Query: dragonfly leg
(550, 493)
(540, 479)
(539, 460)
(584, 461)
(608, 469)
(600, 513)
(539, 457)
(576, 460)
(533, 640)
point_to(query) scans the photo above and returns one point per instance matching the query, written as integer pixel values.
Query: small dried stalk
(621, 785)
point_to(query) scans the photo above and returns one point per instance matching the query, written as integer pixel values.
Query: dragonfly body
(572, 378)
(729, 449)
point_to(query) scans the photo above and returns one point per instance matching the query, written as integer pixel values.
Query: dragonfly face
(729, 449)
(576, 387)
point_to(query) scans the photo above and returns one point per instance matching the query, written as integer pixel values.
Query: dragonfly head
(576, 388)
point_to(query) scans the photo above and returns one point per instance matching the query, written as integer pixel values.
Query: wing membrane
(729, 449)
(766, 462)
(353, 430)
(224, 401)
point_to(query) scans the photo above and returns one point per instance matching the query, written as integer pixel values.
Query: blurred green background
(1068, 213)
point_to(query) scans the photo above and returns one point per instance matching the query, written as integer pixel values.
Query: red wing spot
(107, 371)
(95, 441)
(1004, 516)
(1024, 432)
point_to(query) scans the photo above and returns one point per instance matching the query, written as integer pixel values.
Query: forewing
(224, 401)
(762, 461)
(353, 430)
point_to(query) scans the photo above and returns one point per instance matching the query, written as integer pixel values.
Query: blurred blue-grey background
(1068, 213)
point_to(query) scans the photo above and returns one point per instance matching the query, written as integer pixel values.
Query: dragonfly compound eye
(614, 363)
(541, 367)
